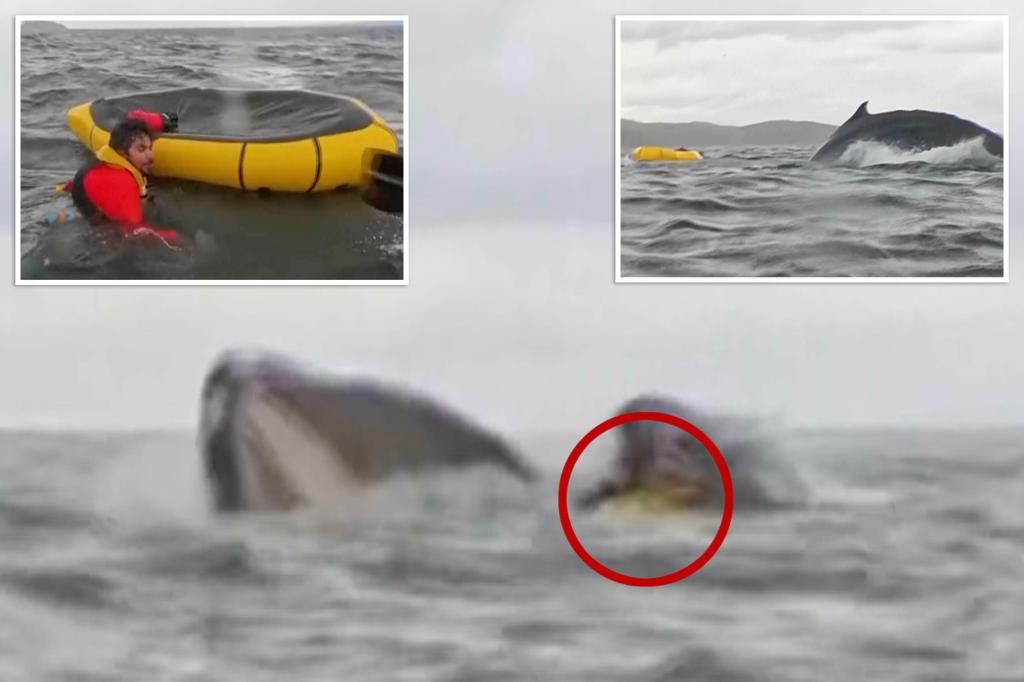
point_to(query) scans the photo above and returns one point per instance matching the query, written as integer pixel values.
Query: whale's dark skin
(907, 130)
(258, 412)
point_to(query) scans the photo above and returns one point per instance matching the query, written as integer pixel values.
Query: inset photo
(800, 148)
(239, 150)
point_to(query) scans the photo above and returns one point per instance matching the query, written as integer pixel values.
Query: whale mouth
(293, 463)
(275, 435)
(260, 452)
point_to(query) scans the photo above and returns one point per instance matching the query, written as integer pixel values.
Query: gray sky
(512, 313)
(742, 72)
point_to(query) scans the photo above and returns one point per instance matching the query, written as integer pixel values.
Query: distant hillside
(30, 27)
(699, 134)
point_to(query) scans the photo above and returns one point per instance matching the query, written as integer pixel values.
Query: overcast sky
(742, 72)
(512, 313)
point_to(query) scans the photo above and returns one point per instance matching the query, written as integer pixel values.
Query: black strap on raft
(81, 200)
(382, 185)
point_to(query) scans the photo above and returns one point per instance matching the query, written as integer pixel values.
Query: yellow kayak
(665, 154)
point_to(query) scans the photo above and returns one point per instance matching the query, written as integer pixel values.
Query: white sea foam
(874, 153)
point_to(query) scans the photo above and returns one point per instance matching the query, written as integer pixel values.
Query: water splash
(874, 153)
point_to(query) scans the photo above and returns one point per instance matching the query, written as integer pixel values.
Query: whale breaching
(276, 436)
(915, 130)
(664, 467)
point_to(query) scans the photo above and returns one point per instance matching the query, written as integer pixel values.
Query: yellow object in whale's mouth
(664, 499)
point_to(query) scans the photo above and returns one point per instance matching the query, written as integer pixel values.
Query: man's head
(131, 139)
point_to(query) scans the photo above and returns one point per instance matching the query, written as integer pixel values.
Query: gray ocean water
(246, 236)
(768, 212)
(907, 565)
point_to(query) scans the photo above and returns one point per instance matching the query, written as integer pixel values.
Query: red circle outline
(668, 578)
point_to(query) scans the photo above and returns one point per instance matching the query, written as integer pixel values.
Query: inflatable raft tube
(664, 154)
(282, 140)
(656, 500)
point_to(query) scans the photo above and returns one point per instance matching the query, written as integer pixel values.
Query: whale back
(907, 130)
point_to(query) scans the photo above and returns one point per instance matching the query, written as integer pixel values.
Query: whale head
(277, 435)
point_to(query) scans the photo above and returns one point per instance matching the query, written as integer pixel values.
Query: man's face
(140, 153)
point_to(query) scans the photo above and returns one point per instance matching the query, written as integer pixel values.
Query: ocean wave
(63, 586)
(761, 214)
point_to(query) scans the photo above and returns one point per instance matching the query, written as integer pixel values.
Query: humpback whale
(906, 130)
(275, 435)
(660, 458)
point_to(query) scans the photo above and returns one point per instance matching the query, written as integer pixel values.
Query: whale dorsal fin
(862, 112)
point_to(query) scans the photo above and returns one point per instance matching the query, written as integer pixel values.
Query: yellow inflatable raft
(665, 154)
(282, 140)
(656, 500)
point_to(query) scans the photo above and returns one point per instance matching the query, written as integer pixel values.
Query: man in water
(111, 189)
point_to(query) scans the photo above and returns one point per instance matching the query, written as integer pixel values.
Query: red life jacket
(111, 192)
